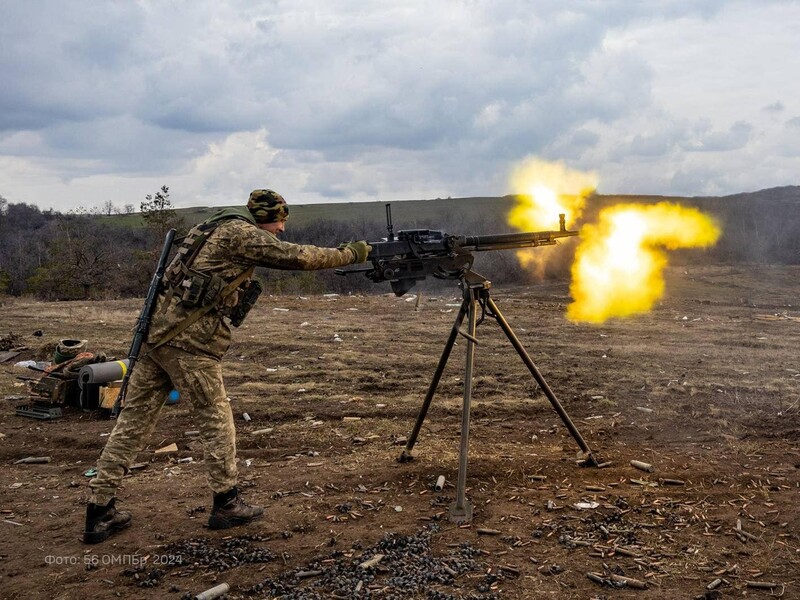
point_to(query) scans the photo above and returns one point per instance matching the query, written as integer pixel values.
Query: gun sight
(389, 226)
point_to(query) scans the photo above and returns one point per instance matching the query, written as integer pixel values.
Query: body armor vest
(204, 290)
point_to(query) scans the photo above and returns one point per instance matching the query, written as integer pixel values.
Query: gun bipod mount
(475, 289)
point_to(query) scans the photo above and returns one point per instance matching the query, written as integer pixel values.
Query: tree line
(81, 254)
(84, 254)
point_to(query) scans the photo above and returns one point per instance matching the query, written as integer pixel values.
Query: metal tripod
(475, 289)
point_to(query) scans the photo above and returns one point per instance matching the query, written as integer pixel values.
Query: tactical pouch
(248, 295)
(200, 289)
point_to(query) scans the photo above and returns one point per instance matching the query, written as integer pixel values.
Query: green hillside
(404, 212)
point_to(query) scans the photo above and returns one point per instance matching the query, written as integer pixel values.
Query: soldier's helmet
(267, 206)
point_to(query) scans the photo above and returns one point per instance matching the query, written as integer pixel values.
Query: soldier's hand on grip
(360, 249)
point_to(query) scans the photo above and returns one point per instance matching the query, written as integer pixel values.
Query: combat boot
(230, 510)
(102, 521)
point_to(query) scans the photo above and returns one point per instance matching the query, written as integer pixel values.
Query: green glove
(360, 249)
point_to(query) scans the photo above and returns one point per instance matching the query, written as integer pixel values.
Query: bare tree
(83, 263)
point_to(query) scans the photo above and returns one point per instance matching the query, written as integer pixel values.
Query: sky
(356, 100)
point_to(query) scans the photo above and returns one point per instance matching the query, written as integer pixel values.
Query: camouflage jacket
(232, 248)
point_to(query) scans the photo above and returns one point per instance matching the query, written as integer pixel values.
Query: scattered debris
(215, 592)
(642, 466)
(671, 481)
(9, 354)
(38, 411)
(763, 585)
(371, 562)
(171, 448)
(33, 460)
(12, 342)
(618, 581)
(407, 568)
(262, 431)
(715, 584)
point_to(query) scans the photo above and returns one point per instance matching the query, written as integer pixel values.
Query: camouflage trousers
(156, 374)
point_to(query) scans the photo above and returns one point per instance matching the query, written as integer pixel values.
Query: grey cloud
(573, 145)
(120, 144)
(444, 94)
(736, 137)
(654, 145)
(289, 72)
(57, 58)
(775, 108)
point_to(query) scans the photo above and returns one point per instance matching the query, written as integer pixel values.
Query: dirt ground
(706, 388)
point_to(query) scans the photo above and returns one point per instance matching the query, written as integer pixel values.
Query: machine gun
(414, 254)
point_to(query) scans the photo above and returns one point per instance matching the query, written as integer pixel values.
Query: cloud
(351, 100)
(706, 139)
(775, 108)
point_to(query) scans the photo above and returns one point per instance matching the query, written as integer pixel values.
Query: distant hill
(761, 226)
(59, 256)
(407, 212)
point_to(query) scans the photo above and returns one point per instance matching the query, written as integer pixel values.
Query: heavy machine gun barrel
(505, 241)
(407, 256)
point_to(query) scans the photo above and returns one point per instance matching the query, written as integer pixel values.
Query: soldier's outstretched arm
(261, 248)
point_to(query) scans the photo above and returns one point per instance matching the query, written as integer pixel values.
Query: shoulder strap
(189, 249)
(200, 311)
(194, 241)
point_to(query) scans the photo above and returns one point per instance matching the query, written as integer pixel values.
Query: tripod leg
(540, 380)
(448, 348)
(461, 510)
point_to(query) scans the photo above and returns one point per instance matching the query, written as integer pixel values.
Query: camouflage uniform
(191, 362)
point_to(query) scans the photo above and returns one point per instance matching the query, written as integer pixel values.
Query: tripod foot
(461, 514)
(407, 456)
(587, 459)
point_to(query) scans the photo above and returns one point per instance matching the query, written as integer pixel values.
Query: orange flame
(544, 191)
(547, 190)
(620, 260)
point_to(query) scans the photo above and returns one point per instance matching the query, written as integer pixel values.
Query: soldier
(207, 282)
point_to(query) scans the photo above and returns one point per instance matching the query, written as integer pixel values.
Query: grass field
(705, 388)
